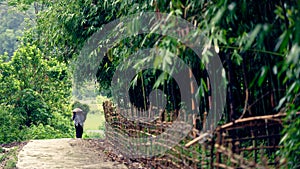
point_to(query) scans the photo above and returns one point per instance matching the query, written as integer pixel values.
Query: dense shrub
(82, 106)
(34, 96)
(9, 126)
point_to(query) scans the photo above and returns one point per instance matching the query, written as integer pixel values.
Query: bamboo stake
(196, 140)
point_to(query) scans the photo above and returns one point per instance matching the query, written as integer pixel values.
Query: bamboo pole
(279, 115)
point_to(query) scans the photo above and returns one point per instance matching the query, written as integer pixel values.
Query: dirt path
(64, 153)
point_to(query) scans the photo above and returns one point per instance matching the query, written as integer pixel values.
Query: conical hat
(81, 113)
(77, 110)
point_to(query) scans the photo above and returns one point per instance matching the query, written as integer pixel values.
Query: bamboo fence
(245, 143)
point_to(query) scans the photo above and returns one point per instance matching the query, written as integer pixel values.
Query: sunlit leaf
(263, 75)
(252, 36)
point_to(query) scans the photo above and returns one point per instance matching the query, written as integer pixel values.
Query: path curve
(64, 153)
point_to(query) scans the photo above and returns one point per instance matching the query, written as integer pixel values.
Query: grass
(8, 158)
(92, 135)
(94, 121)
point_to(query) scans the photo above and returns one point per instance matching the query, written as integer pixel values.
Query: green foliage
(291, 138)
(36, 92)
(257, 41)
(32, 107)
(9, 126)
(11, 163)
(12, 24)
(9, 159)
(83, 107)
(46, 132)
(92, 135)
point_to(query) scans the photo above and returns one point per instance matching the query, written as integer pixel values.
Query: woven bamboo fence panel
(245, 143)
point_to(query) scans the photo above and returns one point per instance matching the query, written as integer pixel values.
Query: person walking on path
(79, 117)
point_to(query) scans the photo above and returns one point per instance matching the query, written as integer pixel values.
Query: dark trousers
(79, 131)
